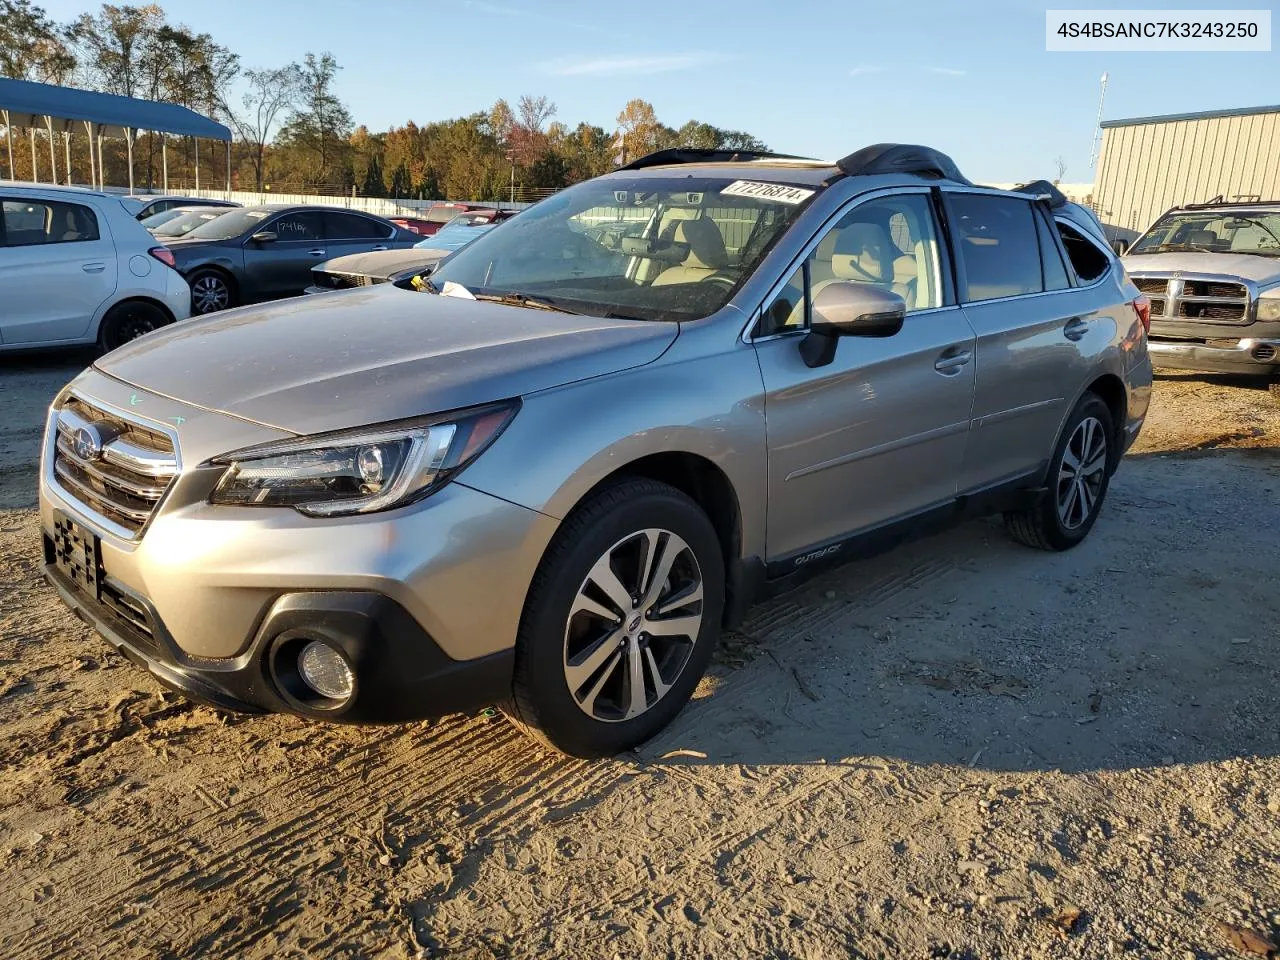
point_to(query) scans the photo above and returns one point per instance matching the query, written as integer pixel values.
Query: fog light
(325, 671)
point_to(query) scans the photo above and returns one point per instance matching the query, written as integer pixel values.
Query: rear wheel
(210, 291)
(128, 321)
(620, 622)
(1079, 475)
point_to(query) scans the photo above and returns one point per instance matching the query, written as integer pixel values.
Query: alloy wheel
(210, 293)
(633, 625)
(1083, 470)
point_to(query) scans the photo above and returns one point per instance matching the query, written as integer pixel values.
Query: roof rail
(1220, 201)
(1044, 190)
(662, 158)
(900, 158)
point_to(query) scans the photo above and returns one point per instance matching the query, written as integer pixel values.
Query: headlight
(359, 471)
(1269, 309)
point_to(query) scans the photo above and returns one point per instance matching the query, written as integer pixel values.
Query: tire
(128, 321)
(1063, 517)
(211, 291)
(566, 639)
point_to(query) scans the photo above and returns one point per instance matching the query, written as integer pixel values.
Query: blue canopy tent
(58, 109)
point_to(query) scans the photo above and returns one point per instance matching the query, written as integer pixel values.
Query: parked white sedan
(77, 268)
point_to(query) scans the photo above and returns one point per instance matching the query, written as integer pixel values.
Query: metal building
(1150, 164)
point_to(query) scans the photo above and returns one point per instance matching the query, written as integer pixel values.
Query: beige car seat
(707, 253)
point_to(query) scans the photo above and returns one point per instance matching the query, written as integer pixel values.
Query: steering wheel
(724, 278)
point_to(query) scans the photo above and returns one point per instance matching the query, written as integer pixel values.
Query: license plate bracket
(78, 555)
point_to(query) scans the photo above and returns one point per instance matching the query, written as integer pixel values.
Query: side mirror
(1120, 247)
(844, 308)
(265, 236)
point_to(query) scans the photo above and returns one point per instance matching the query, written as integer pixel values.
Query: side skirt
(752, 579)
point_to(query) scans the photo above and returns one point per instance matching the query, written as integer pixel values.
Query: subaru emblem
(87, 443)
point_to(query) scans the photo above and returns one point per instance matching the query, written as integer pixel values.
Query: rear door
(57, 267)
(282, 267)
(1030, 322)
(347, 232)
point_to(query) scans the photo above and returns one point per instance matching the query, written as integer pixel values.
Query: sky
(813, 77)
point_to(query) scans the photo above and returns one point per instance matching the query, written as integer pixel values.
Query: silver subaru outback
(548, 475)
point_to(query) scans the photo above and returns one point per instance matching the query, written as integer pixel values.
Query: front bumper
(1248, 355)
(196, 597)
(401, 674)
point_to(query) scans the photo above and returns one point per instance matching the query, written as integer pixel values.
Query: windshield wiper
(524, 300)
(1176, 248)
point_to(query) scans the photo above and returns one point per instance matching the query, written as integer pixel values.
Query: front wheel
(1079, 475)
(620, 621)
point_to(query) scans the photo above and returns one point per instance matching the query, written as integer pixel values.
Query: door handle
(952, 360)
(316, 253)
(1076, 328)
(94, 267)
(381, 246)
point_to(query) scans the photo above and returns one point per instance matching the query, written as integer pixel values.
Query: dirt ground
(961, 749)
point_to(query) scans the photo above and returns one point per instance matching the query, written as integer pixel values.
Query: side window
(297, 226)
(996, 245)
(1087, 260)
(350, 226)
(31, 222)
(891, 242)
(1055, 272)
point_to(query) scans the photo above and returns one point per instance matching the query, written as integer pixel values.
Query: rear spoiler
(1044, 190)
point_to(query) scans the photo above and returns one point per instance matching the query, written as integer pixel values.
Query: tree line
(292, 133)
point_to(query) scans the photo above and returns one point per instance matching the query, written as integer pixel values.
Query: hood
(380, 263)
(375, 354)
(1260, 270)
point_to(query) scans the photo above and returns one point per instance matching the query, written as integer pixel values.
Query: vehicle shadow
(1154, 642)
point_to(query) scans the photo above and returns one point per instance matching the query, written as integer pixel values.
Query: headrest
(863, 252)
(1202, 238)
(706, 246)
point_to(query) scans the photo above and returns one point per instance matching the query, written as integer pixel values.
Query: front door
(879, 433)
(282, 267)
(57, 267)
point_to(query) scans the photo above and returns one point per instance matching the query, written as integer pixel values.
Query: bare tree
(1061, 164)
(270, 95)
(534, 112)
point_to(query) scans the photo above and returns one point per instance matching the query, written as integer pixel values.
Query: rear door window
(997, 246)
(32, 222)
(1055, 271)
(352, 226)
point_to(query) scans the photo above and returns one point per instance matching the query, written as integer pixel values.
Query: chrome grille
(1203, 298)
(115, 468)
(342, 281)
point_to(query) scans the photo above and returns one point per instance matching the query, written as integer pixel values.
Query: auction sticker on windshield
(780, 192)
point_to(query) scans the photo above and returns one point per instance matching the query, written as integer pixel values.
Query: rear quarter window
(1087, 260)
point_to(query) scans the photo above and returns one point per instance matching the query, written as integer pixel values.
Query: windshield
(186, 221)
(1218, 231)
(229, 225)
(157, 219)
(653, 249)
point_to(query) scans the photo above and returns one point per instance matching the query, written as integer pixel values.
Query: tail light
(164, 255)
(1142, 307)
